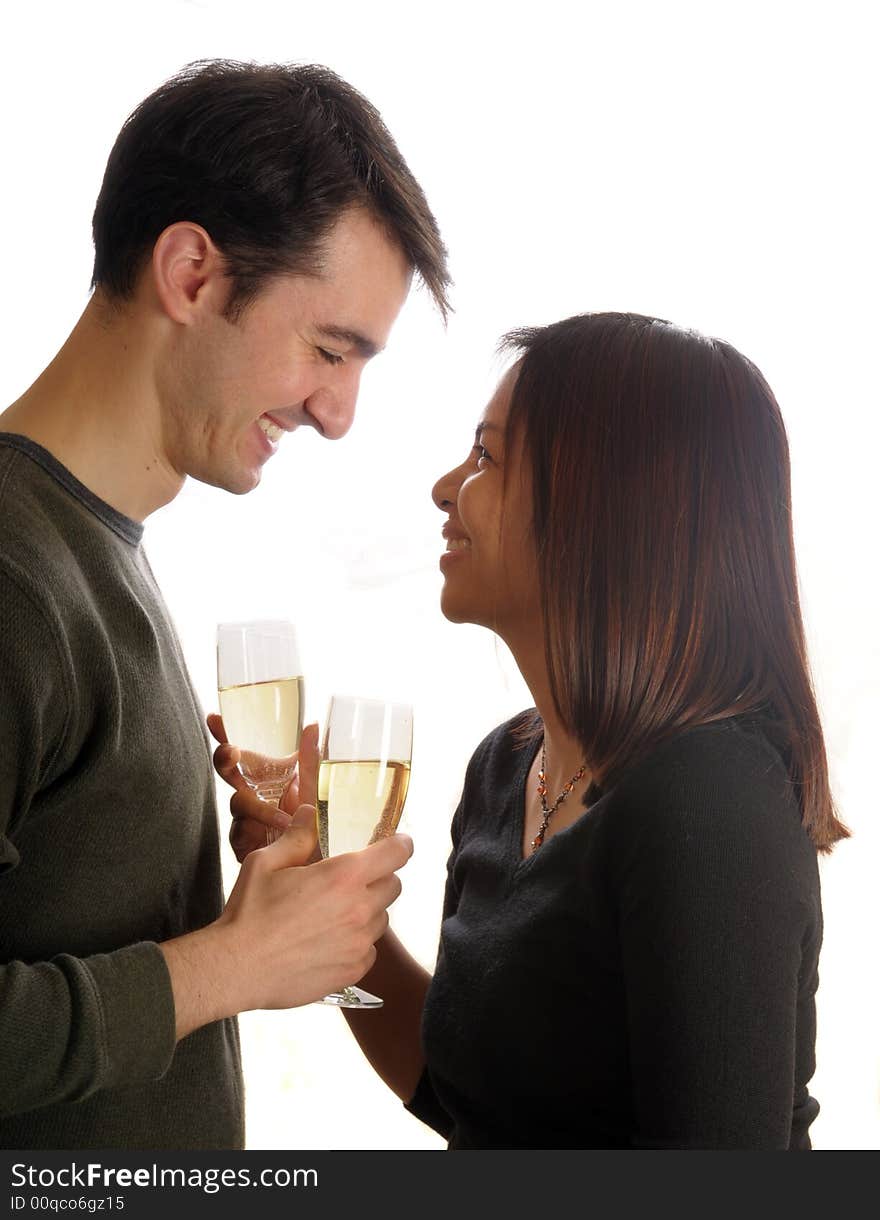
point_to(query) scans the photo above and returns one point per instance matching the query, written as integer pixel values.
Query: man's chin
(242, 486)
(237, 482)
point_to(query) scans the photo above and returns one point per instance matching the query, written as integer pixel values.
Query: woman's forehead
(498, 406)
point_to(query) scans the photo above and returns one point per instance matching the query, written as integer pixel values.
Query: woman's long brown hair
(662, 519)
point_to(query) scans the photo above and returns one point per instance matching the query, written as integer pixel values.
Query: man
(255, 237)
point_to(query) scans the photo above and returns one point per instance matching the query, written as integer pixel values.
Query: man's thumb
(299, 841)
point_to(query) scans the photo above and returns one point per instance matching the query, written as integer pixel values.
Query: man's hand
(301, 932)
(288, 935)
(251, 816)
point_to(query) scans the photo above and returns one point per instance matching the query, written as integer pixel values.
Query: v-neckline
(517, 822)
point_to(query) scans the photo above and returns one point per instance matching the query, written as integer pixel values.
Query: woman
(632, 920)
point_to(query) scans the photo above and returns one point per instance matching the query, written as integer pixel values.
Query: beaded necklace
(546, 810)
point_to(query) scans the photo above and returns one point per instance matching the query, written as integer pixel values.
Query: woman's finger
(226, 759)
(215, 727)
(246, 806)
(245, 837)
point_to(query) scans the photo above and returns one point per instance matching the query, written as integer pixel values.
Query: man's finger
(298, 842)
(308, 765)
(386, 856)
(303, 788)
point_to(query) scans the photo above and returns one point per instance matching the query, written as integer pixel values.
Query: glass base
(352, 997)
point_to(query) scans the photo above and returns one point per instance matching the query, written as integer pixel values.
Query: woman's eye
(482, 454)
(330, 357)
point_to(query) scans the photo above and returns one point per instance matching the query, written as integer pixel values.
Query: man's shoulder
(44, 500)
(28, 493)
(33, 547)
(48, 548)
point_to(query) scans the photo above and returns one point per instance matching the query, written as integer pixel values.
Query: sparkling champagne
(359, 802)
(268, 716)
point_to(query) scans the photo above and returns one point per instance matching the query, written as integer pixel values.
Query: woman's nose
(444, 493)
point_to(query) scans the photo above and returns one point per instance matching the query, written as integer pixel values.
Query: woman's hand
(251, 816)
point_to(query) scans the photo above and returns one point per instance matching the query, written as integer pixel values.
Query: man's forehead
(357, 235)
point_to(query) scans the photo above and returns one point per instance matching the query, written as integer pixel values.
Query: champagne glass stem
(271, 794)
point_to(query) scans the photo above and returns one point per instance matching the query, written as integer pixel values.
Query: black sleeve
(714, 906)
(425, 1106)
(423, 1103)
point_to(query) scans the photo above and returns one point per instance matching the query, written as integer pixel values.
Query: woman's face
(489, 562)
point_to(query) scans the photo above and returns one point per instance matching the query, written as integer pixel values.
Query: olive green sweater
(108, 835)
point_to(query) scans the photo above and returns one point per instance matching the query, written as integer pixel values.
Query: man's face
(294, 357)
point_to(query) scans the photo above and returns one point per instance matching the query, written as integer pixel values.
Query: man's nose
(332, 410)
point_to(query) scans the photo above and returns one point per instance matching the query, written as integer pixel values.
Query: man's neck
(96, 409)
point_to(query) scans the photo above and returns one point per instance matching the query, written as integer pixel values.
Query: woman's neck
(563, 752)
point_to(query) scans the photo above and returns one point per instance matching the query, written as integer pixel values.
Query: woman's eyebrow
(482, 427)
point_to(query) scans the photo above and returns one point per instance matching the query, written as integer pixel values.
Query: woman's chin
(452, 609)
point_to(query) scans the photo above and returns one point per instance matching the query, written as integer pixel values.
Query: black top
(647, 978)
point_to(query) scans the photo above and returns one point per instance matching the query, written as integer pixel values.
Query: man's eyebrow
(365, 347)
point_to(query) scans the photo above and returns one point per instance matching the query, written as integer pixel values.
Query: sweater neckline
(516, 822)
(127, 528)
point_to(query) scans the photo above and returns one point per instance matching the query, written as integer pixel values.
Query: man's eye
(330, 357)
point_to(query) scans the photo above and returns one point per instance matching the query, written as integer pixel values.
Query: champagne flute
(363, 778)
(261, 689)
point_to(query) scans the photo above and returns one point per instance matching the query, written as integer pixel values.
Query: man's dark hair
(266, 158)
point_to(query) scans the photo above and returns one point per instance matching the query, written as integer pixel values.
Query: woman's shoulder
(709, 820)
(721, 783)
(503, 753)
(503, 745)
(728, 755)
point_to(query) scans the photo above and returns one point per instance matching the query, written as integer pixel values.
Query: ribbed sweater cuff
(133, 988)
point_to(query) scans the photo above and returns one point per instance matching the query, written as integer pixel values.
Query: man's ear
(187, 272)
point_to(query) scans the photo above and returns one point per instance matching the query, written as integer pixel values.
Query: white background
(713, 164)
